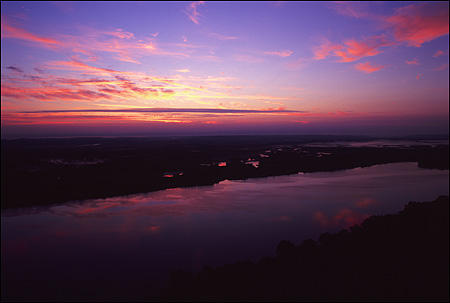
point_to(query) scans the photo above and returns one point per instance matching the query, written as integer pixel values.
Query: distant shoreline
(315, 137)
(47, 171)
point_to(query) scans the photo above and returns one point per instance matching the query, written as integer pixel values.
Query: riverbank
(47, 171)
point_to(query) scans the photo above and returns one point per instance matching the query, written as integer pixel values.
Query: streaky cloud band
(168, 110)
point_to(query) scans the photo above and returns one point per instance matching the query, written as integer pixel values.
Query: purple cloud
(16, 69)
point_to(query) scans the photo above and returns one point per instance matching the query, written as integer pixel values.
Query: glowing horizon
(132, 68)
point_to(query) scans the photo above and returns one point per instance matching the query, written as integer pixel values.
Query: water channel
(123, 248)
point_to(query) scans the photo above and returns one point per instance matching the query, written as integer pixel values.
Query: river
(123, 248)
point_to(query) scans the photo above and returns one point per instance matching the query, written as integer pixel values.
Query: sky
(201, 68)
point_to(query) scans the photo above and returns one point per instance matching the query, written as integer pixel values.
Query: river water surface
(123, 248)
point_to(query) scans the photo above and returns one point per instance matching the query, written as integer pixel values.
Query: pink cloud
(285, 53)
(192, 13)
(105, 86)
(344, 217)
(9, 31)
(413, 62)
(77, 65)
(416, 24)
(295, 65)
(280, 219)
(368, 68)
(247, 58)
(418, 76)
(351, 50)
(348, 8)
(366, 202)
(122, 45)
(292, 88)
(442, 67)
(349, 217)
(125, 57)
(438, 53)
(413, 24)
(154, 228)
(52, 94)
(120, 33)
(325, 49)
(90, 55)
(356, 50)
(220, 36)
(278, 3)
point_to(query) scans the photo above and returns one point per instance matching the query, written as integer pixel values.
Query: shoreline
(44, 172)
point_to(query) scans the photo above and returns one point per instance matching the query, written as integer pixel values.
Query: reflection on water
(122, 248)
(252, 162)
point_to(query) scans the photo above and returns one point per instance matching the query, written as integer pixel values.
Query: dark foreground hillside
(396, 257)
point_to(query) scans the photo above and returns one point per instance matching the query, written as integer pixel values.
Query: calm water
(123, 248)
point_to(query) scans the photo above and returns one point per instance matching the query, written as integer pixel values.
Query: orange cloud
(135, 115)
(416, 24)
(67, 118)
(368, 68)
(111, 86)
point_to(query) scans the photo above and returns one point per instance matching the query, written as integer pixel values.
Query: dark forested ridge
(395, 257)
(46, 171)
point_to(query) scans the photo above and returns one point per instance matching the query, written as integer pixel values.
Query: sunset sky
(151, 68)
